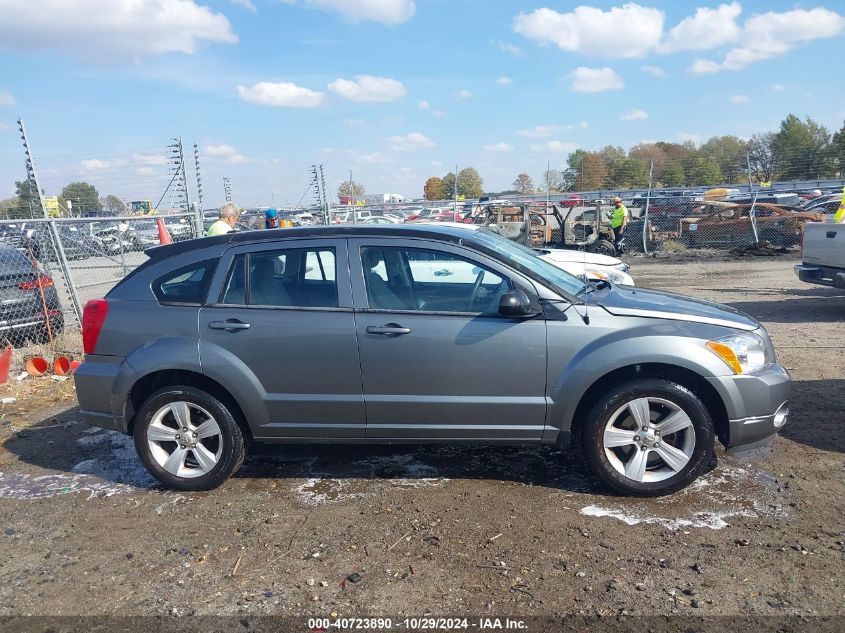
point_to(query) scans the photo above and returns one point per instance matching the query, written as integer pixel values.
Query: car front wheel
(188, 439)
(648, 437)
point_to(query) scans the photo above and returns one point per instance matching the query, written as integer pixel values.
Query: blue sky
(395, 90)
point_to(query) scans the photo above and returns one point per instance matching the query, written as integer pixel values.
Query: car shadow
(815, 417)
(810, 309)
(74, 449)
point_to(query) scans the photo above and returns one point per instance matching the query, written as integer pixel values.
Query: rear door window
(292, 278)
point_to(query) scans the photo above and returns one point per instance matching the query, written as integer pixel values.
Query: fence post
(752, 213)
(51, 223)
(60, 253)
(645, 214)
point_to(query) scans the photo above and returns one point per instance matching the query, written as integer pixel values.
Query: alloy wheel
(649, 439)
(184, 439)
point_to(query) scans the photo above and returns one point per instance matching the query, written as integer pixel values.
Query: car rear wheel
(648, 437)
(188, 439)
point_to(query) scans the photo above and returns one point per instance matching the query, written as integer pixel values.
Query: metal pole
(54, 234)
(455, 210)
(352, 198)
(198, 219)
(645, 214)
(751, 212)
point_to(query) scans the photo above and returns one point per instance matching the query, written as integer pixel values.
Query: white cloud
(439, 114)
(145, 171)
(540, 131)
(778, 87)
(436, 163)
(500, 148)
(388, 12)
(595, 79)
(738, 99)
(555, 147)
(405, 173)
(281, 95)
(367, 88)
(246, 4)
(94, 164)
(689, 136)
(464, 94)
(226, 153)
(103, 29)
(583, 125)
(507, 47)
(634, 115)
(504, 81)
(424, 105)
(410, 142)
(150, 159)
(656, 71)
(621, 32)
(373, 159)
(768, 35)
(7, 99)
(706, 29)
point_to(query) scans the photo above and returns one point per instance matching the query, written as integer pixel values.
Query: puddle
(115, 470)
(710, 502)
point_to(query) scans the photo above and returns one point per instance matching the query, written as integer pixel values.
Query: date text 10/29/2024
(415, 624)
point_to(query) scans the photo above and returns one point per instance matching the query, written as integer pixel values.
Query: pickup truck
(823, 254)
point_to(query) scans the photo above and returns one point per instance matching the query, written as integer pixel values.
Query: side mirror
(514, 303)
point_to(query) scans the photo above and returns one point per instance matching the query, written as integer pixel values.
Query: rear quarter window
(187, 285)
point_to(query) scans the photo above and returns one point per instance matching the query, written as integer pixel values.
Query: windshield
(524, 257)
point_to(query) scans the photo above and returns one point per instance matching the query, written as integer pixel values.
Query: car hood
(622, 301)
(578, 257)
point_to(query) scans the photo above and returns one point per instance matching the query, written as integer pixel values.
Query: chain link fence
(49, 269)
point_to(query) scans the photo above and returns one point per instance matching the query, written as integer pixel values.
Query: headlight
(744, 353)
(611, 275)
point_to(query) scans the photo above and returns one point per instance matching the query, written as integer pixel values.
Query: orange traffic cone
(5, 363)
(163, 235)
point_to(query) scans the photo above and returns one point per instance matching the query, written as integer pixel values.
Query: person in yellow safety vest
(229, 215)
(839, 218)
(617, 222)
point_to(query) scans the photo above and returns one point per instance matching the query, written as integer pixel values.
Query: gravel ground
(443, 530)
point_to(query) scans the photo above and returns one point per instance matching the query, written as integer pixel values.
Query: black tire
(594, 427)
(602, 247)
(231, 436)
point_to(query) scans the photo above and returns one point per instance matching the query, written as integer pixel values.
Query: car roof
(443, 231)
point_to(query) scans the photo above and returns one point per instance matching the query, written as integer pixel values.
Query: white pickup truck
(823, 254)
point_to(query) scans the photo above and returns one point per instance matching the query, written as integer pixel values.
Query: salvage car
(731, 224)
(348, 335)
(29, 303)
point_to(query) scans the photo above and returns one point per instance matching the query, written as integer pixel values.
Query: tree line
(76, 198)
(798, 150)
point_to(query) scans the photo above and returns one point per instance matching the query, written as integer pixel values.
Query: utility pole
(199, 189)
(548, 184)
(180, 192)
(455, 210)
(32, 177)
(352, 198)
(326, 204)
(227, 189)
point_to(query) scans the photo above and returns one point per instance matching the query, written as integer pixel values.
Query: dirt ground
(443, 530)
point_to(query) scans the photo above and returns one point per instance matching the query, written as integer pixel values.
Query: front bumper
(757, 406)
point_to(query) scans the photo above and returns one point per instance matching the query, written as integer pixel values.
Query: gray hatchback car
(415, 334)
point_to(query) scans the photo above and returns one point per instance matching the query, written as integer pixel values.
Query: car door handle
(230, 325)
(390, 329)
(830, 234)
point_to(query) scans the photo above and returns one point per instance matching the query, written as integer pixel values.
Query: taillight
(42, 281)
(93, 317)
